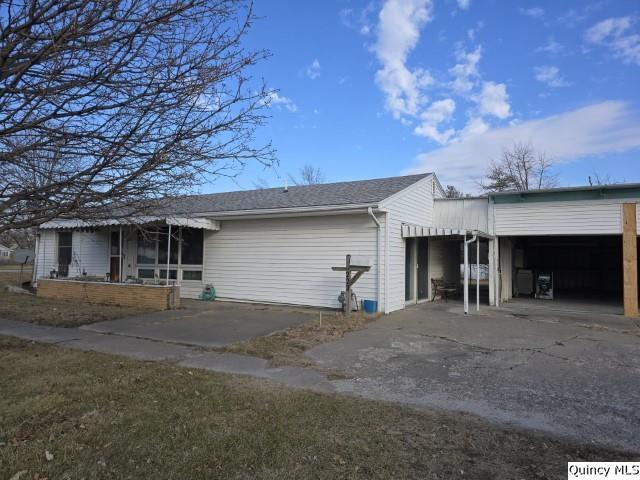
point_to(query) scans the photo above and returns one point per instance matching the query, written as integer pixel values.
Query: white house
(5, 252)
(278, 245)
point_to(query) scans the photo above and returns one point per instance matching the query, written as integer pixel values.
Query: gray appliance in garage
(544, 286)
(524, 282)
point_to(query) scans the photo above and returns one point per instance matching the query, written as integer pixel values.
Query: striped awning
(76, 224)
(411, 231)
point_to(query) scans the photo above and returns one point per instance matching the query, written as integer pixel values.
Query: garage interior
(572, 270)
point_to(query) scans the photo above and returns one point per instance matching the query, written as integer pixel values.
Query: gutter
(291, 211)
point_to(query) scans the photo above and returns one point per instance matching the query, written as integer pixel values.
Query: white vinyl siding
(289, 260)
(462, 213)
(89, 254)
(559, 218)
(412, 205)
(47, 255)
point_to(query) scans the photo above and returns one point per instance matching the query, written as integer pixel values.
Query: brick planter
(154, 297)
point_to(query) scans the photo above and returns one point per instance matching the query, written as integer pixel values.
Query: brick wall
(154, 297)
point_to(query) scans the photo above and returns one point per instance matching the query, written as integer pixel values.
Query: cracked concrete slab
(211, 325)
(509, 365)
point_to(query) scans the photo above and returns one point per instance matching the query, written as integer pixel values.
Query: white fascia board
(290, 212)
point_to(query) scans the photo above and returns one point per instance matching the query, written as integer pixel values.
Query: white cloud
(601, 128)
(475, 126)
(279, 101)
(464, 4)
(550, 75)
(613, 34)
(533, 12)
(494, 100)
(358, 20)
(552, 47)
(437, 113)
(399, 27)
(313, 69)
(465, 72)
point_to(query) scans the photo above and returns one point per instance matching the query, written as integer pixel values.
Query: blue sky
(372, 89)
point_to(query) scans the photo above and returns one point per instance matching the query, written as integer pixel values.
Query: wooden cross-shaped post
(349, 280)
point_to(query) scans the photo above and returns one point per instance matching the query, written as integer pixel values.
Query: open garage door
(573, 271)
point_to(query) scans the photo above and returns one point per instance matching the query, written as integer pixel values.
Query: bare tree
(309, 175)
(22, 238)
(519, 168)
(606, 179)
(452, 192)
(104, 104)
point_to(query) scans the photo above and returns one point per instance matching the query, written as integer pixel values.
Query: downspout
(379, 279)
(477, 275)
(387, 228)
(466, 271)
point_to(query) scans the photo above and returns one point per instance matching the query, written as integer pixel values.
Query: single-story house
(5, 252)
(279, 245)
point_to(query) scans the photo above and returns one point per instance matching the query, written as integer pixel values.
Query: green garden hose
(208, 294)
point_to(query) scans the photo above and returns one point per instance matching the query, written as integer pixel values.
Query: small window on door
(65, 247)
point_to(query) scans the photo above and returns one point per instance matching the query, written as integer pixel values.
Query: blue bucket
(370, 306)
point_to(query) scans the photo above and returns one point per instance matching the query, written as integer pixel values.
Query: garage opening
(569, 270)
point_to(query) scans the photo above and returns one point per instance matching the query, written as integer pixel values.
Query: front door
(423, 268)
(115, 256)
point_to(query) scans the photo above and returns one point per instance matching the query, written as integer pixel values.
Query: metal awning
(411, 231)
(75, 224)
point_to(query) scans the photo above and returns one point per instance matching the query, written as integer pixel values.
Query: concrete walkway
(182, 355)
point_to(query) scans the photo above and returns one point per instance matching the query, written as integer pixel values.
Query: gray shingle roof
(341, 193)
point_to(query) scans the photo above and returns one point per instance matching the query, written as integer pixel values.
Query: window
(186, 254)
(146, 248)
(162, 246)
(115, 243)
(191, 246)
(146, 273)
(173, 274)
(65, 246)
(192, 275)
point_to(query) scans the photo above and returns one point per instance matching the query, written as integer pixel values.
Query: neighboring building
(5, 252)
(278, 245)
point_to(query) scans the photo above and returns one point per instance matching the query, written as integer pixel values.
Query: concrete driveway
(571, 373)
(214, 324)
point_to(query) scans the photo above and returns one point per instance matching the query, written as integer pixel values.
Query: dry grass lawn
(72, 414)
(58, 313)
(287, 347)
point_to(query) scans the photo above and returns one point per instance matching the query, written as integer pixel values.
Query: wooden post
(348, 286)
(630, 259)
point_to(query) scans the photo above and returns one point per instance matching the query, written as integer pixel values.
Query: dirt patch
(59, 313)
(71, 414)
(287, 347)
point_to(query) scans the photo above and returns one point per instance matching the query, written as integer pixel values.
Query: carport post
(630, 259)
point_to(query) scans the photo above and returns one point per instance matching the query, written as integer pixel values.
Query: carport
(575, 247)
